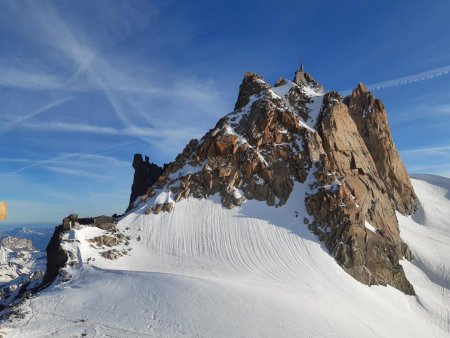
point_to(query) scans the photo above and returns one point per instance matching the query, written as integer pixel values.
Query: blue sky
(86, 84)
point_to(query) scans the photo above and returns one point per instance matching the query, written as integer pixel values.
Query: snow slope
(253, 271)
(428, 235)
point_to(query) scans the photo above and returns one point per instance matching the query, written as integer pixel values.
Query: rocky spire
(303, 78)
(251, 84)
(145, 174)
(370, 118)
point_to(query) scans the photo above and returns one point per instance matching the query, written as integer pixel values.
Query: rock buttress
(372, 257)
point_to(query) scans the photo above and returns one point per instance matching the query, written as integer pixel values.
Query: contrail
(430, 74)
(412, 78)
(33, 113)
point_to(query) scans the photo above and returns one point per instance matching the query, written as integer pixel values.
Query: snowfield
(253, 271)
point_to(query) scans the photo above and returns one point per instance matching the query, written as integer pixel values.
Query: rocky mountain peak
(303, 78)
(360, 89)
(251, 84)
(255, 152)
(294, 133)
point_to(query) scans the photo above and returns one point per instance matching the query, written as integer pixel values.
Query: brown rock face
(371, 120)
(371, 257)
(280, 135)
(252, 84)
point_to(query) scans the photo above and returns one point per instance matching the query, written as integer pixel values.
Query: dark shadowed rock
(145, 174)
(56, 256)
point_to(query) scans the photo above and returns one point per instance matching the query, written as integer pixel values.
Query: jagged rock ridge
(279, 135)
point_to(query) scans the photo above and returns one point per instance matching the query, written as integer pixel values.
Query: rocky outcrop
(371, 121)
(62, 255)
(360, 198)
(145, 174)
(251, 85)
(284, 134)
(304, 79)
(57, 257)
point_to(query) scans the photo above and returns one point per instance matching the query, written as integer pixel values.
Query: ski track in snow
(205, 271)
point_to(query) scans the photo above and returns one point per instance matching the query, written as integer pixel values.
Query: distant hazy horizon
(12, 226)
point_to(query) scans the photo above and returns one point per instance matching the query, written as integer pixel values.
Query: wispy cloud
(72, 171)
(429, 160)
(443, 108)
(427, 75)
(427, 114)
(79, 164)
(10, 124)
(29, 79)
(72, 126)
(430, 168)
(431, 151)
(15, 160)
(141, 96)
(80, 50)
(134, 131)
(36, 80)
